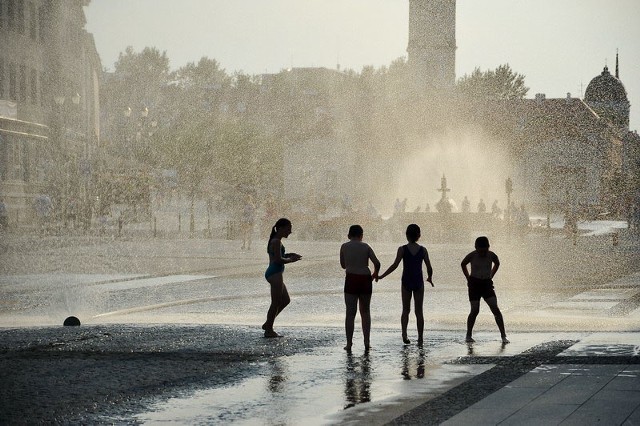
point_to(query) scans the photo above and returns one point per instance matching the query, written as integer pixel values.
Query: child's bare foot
(406, 340)
(505, 340)
(420, 342)
(270, 333)
(347, 348)
(469, 339)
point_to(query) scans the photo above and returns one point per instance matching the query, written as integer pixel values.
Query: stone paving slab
(571, 394)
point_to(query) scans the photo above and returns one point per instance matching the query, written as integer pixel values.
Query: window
(41, 26)
(42, 97)
(26, 161)
(20, 16)
(1, 77)
(2, 5)
(33, 20)
(11, 14)
(14, 160)
(12, 83)
(23, 83)
(3, 158)
(33, 85)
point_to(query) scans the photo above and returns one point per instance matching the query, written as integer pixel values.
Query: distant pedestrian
(358, 284)
(495, 210)
(248, 220)
(412, 256)
(466, 205)
(482, 208)
(397, 206)
(277, 259)
(523, 221)
(484, 265)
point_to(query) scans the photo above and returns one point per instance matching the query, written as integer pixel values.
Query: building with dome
(569, 153)
(607, 96)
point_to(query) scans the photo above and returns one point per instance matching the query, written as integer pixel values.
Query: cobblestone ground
(98, 374)
(109, 374)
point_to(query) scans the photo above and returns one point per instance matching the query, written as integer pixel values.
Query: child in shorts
(484, 265)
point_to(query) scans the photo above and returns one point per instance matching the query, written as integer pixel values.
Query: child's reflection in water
(357, 384)
(412, 366)
(278, 377)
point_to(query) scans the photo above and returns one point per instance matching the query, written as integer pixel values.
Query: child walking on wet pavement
(358, 284)
(484, 265)
(412, 256)
(277, 259)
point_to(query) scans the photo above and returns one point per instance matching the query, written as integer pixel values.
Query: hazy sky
(559, 45)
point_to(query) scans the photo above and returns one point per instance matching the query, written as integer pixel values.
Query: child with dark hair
(277, 259)
(412, 256)
(354, 258)
(484, 265)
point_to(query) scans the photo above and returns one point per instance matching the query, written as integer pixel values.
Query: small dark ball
(71, 322)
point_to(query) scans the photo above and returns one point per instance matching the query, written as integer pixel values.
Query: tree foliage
(140, 77)
(501, 83)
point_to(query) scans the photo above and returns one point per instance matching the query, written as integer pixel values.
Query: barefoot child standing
(412, 256)
(484, 265)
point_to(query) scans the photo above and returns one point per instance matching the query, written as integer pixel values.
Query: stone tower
(432, 44)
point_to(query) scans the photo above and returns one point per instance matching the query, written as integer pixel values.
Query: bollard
(71, 322)
(615, 239)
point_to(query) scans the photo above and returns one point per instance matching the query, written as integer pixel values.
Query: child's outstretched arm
(394, 265)
(427, 262)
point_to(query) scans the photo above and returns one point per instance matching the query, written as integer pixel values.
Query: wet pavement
(211, 374)
(171, 333)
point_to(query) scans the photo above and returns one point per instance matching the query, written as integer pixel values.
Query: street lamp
(508, 185)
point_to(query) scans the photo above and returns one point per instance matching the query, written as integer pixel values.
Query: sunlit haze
(558, 45)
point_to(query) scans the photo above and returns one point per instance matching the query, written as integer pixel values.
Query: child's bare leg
(406, 309)
(351, 303)
(279, 296)
(419, 301)
(493, 305)
(284, 299)
(471, 319)
(365, 316)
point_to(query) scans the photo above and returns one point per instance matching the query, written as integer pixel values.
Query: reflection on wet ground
(330, 385)
(412, 366)
(357, 377)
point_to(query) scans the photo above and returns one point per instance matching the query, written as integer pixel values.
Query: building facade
(49, 87)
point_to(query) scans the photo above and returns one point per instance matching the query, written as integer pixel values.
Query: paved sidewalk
(567, 394)
(594, 381)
